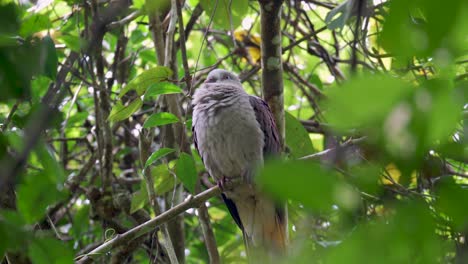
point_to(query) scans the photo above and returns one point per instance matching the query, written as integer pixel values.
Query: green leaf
(12, 231)
(186, 172)
(160, 119)
(51, 167)
(48, 250)
(297, 138)
(72, 42)
(448, 192)
(308, 183)
(364, 100)
(162, 152)
(77, 119)
(225, 11)
(34, 23)
(51, 59)
(120, 112)
(35, 195)
(139, 199)
(141, 83)
(81, 221)
(162, 88)
(164, 181)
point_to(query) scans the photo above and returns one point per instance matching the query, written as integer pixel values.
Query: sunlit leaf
(139, 199)
(160, 153)
(120, 112)
(143, 81)
(160, 119)
(164, 181)
(35, 22)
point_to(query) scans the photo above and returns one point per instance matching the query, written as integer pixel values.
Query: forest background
(95, 114)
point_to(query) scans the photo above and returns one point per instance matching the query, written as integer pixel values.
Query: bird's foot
(224, 184)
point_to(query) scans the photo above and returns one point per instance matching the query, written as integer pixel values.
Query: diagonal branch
(150, 225)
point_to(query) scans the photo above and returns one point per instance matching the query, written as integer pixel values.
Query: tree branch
(150, 225)
(272, 68)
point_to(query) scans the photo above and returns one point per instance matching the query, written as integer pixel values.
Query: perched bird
(234, 132)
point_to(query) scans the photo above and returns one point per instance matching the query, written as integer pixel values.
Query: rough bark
(272, 68)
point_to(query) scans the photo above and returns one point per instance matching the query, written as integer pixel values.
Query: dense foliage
(95, 116)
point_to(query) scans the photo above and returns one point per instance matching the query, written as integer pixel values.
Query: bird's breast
(231, 142)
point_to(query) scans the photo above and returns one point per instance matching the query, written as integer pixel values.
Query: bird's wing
(274, 230)
(267, 124)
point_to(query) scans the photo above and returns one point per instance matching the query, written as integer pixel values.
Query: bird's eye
(226, 77)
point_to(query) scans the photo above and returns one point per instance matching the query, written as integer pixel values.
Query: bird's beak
(210, 81)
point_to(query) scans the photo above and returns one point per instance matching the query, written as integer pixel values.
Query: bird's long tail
(265, 228)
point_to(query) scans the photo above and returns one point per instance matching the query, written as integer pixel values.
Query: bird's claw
(222, 183)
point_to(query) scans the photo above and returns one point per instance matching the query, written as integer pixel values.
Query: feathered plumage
(233, 133)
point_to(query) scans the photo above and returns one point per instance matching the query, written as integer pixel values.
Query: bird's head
(222, 76)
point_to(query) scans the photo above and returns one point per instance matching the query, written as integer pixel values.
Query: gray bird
(233, 133)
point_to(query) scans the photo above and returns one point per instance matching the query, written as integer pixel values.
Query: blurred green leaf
(451, 200)
(13, 235)
(444, 109)
(120, 112)
(186, 172)
(306, 182)
(49, 250)
(9, 18)
(393, 239)
(425, 25)
(297, 138)
(73, 42)
(157, 5)
(50, 60)
(158, 154)
(35, 22)
(162, 88)
(149, 77)
(35, 195)
(51, 167)
(225, 11)
(80, 221)
(364, 100)
(339, 16)
(160, 119)
(77, 119)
